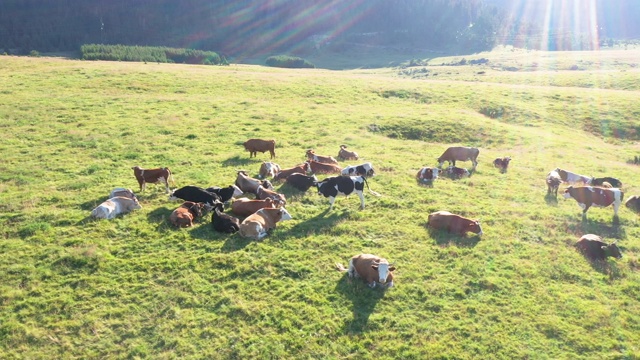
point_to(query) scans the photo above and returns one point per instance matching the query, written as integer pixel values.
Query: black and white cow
(225, 193)
(365, 169)
(301, 182)
(195, 194)
(600, 181)
(331, 187)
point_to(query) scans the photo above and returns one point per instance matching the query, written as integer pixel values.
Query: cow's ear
(392, 268)
(374, 267)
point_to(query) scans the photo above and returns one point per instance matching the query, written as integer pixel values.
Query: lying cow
(263, 194)
(456, 224)
(257, 225)
(633, 203)
(255, 145)
(248, 184)
(365, 169)
(285, 173)
(459, 153)
(456, 173)
(268, 169)
(222, 222)
(109, 209)
(195, 194)
(225, 194)
(152, 176)
(343, 185)
(301, 182)
(370, 268)
(553, 181)
(186, 214)
(600, 181)
(345, 154)
(246, 207)
(502, 163)
(320, 168)
(427, 175)
(594, 248)
(128, 193)
(311, 155)
(573, 178)
(588, 196)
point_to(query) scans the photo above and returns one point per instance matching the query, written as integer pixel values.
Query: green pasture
(135, 287)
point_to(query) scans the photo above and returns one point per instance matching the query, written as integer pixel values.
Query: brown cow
(186, 214)
(152, 176)
(588, 196)
(311, 155)
(277, 198)
(255, 145)
(320, 168)
(257, 225)
(250, 185)
(285, 173)
(371, 268)
(246, 207)
(427, 174)
(456, 224)
(344, 154)
(268, 169)
(594, 248)
(459, 153)
(502, 163)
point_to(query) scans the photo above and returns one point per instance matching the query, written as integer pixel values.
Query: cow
(257, 225)
(371, 269)
(459, 153)
(255, 145)
(225, 194)
(128, 193)
(456, 173)
(427, 174)
(345, 154)
(186, 214)
(593, 247)
(248, 184)
(331, 187)
(553, 181)
(633, 203)
(311, 155)
(246, 207)
(573, 178)
(195, 194)
(502, 163)
(263, 194)
(222, 222)
(285, 173)
(365, 169)
(268, 169)
(588, 196)
(152, 176)
(600, 181)
(320, 168)
(456, 224)
(301, 182)
(115, 206)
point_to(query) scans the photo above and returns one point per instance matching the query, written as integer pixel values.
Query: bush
(291, 62)
(34, 53)
(149, 53)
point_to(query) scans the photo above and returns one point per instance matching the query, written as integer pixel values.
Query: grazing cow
(226, 193)
(257, 225)
(263, 194)
(633, 203)
(285, 173)
(456, 172)
(255, 145)
(553, 182)
(248, 184)
(427, 174)
(246, 207)
(311, 155)
(365, 169)
(320, 168)
(301, 182)
(459, 153)
(186, 214)
(456, 224)
(115, 206)
(502, 163)
(268, 169)
(572, 178)
(588, 196)
(152, 176)
(343, 185)
(222, 222)
(370, 268)
(594, 248)
(344, 154)
(600, 181)
(195, 194)
(122, 192)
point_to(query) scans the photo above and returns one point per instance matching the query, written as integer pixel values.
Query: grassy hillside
(135, 287)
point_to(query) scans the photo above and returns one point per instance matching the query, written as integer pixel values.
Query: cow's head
(310, 153)
(474, 227)
(197, 209)
(612, 250)
(567, 192)
(284, 214)
(383, 268)
(136, 205)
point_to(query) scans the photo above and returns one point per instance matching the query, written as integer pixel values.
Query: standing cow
(370, 268)
(553, 181)
(459, 153)
(588, 196)
(152, 176)
(331, 187)
(502, 163)
(255, 145)
(456, 224)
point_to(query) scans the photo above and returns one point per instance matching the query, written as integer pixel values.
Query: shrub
(285, 61)
(34, 53)
(149, 53)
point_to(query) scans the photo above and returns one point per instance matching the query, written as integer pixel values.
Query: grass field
(135, 287)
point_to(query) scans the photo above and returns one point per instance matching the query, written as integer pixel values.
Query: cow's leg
(143, 186)
(331, 200)
(361, 196)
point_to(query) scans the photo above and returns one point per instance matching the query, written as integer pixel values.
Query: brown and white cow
(459, 153)
(152, 176)
(109, 209)
(268, 169)
(455, 172)
(246, 206)
(370, 268)
(502, 163)
(456, 224)
(321, 168)
(311, 155)
(257, 225)
(124, 192)
(573, 178)
(633, 203)
(186, 214)
(263, 194)
(593, 247)
(427, 174)
(248, 184)
(345, 154)
(255, 145)
(285, 173)
(588, 196)
(553, 181)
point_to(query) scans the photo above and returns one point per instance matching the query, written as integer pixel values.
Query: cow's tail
(340, 267)
(170, 177)
(368, 188)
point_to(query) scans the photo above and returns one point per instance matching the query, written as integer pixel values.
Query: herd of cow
(262, 213)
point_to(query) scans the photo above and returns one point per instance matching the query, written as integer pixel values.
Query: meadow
(135, 287)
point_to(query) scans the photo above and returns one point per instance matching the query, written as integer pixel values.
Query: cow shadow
(92, 204)
(237, 161)
(234, 242)
(606, 267)
(444, 238)
(605, 230)
(160, 216)
(551, 199)
(363, 299)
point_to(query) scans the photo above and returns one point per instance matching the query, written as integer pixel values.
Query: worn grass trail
(135, 287)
